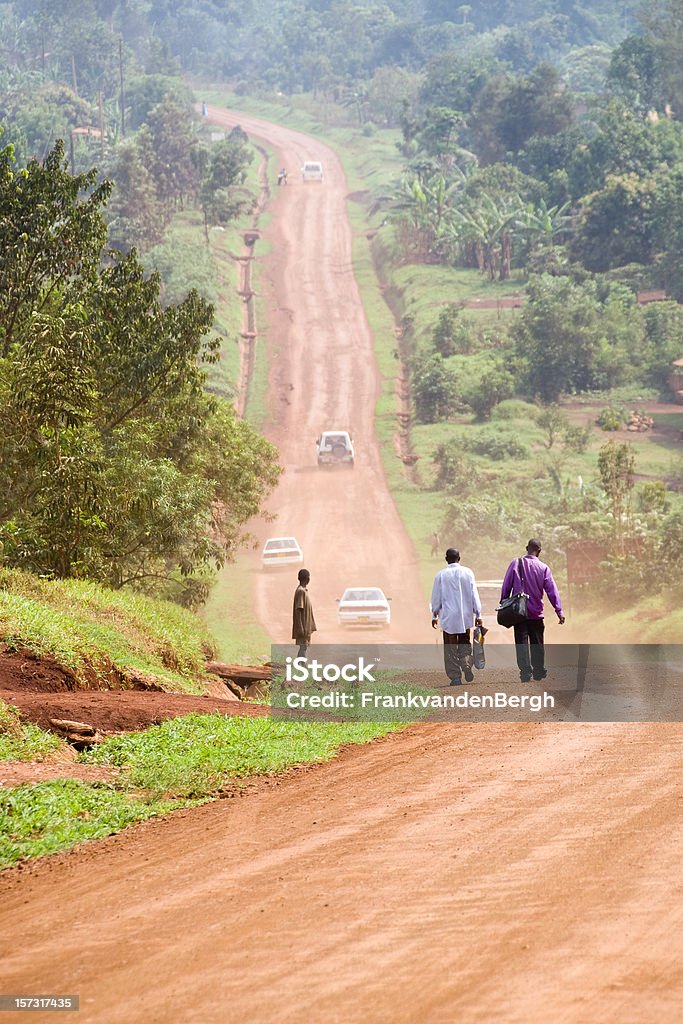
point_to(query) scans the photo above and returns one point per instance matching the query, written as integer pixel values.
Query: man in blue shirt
(456, 605)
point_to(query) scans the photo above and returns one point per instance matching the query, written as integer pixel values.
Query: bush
(577, 439)
(497, 446)
(454, 469)
(485, 515)
(514, 409)
(452, 335)
(434, 389)
(611, 419)
(496, 385)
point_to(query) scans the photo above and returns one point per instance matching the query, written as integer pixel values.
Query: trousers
(530, 649)
(457, 654)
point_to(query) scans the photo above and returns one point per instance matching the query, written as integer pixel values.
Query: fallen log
(80, 728)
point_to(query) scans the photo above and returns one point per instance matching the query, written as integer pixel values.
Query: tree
(495, 385)
(510, 111)
(615, 224)
(452, 334)
(487, 226)
(136, 217)
(616, 463)
(222, 195)
(168, 143)
(51, 237)
(115, 464)
(422, 206)
(434, 389)
(576, 337)
(634, 74)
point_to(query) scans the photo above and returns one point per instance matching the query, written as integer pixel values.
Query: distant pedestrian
(456, 606)
(303, 623)
(436, 544)
(535, 580)
(204, 108)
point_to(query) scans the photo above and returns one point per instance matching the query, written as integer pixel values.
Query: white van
(312, 170)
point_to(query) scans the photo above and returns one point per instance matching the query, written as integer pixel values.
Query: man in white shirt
(456, 605)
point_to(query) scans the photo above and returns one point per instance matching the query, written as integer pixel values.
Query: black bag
(512, 610)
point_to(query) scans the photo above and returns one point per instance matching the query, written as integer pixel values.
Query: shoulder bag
(512, 610)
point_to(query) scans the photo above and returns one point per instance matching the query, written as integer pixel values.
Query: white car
(312, 170)
(281, 551)
(364, 606)
(335, 448)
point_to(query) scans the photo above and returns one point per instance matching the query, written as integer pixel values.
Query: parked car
(335, 448)
(364, 606)
(312, 170)
(280, 551)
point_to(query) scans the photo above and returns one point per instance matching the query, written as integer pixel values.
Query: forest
(541, 146)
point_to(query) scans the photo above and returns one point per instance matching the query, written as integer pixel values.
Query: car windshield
(332, 439)
(363, 595)
(280, 542)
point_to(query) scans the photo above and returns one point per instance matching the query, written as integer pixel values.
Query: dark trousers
(457, 653)
(529, 648)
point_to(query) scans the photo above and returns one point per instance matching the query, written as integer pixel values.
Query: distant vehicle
(364, 606)
(335, 448)
(281, 551)
(312, 170)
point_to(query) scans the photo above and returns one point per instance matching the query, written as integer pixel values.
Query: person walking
(456, 605)
(533, 577)
(303, 623)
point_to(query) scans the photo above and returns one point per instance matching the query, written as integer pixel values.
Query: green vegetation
(198, 754)
(229, 615)
(102, 634)
(180, 763)
(21, 741)
(117, 465)
(51, 816)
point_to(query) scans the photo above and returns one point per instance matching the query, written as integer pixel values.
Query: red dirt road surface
(516, 874)
(324, 377)
(471, 874)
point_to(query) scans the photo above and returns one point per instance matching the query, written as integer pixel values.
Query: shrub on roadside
(497, 446)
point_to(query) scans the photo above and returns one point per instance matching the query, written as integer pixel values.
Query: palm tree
(486, 226)
(423, 206)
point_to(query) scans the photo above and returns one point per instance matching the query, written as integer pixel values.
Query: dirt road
(516, 874)
(324, 376)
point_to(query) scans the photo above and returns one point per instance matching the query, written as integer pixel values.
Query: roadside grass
(23, 741)
(228, 614)
(181, 763)
(257, 411)
(196, 755)
(91, 630)
(50, 816)
(657, 619)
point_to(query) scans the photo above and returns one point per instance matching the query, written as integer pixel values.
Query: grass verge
(97, 633)
(182, 762)
(23, 741)
(51, 816)
(196, 755)
(228, 614)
